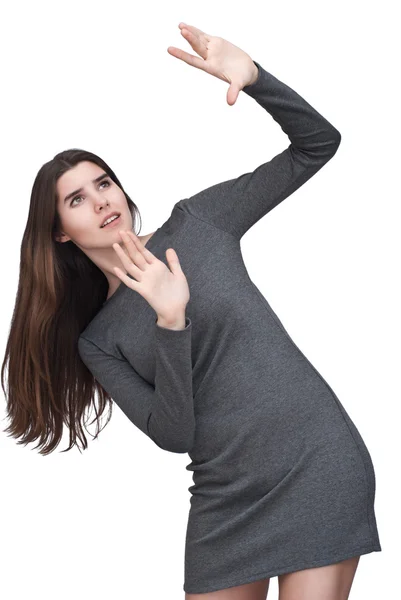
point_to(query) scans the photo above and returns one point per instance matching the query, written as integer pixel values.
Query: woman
(171, 327)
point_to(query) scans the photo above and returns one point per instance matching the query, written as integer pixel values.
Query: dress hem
(359, 550)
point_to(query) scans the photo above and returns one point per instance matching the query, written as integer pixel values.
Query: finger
(133, 251)
(148, 256)
(128, 264)
(197, 43)
(195, 30)
(232, 93)
(173, 260)
(131, 283)
(194, 61)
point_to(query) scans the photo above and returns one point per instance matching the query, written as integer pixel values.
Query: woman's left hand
(219, 58)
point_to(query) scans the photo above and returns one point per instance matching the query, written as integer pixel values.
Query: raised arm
(237, 204)
(165, 412)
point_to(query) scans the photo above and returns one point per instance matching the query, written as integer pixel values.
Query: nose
(101, 202)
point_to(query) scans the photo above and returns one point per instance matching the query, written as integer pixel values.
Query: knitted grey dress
(282, 479)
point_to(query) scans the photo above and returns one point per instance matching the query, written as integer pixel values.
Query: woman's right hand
(165, 290)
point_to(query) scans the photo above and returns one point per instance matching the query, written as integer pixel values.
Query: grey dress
(283, 480)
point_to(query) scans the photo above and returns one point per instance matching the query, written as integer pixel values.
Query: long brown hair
(60, 290)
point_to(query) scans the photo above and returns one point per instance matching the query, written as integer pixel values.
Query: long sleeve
(237, 204)
(165, 412)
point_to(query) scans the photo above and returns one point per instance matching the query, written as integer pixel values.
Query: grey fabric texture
(282, 479)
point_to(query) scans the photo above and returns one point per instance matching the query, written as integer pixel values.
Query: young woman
(171, 328)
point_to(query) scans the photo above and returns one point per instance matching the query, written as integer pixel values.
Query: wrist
(254, 76)
(176, 321)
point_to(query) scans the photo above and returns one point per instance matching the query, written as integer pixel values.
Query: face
(83, 213)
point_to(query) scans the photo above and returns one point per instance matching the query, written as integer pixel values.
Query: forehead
(78, 176)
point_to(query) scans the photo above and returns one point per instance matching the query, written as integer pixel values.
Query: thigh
(256, 590)
(332, 582)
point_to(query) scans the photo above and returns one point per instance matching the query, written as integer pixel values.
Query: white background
(111, 522)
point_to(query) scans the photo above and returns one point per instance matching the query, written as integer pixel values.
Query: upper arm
(237, 204)
(120, 380)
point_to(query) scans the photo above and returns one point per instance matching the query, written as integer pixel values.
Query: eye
(102, 183)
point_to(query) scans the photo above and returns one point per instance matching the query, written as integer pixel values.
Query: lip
(113, 223)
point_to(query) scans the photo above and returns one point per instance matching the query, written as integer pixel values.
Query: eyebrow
(102, 176)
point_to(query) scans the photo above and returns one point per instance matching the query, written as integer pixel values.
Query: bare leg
(332, 582)
(257, 590)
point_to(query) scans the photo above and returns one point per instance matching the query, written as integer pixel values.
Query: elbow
(181, 444)
(177, 446)
(332, 143)
(330, 147)
(181, 449)
(179, 440)
(336, 139)
(320, 152)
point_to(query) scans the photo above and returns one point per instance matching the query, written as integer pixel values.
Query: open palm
(218, 57)
(165, 288)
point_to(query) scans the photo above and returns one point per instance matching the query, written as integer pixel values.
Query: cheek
(79, 224)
